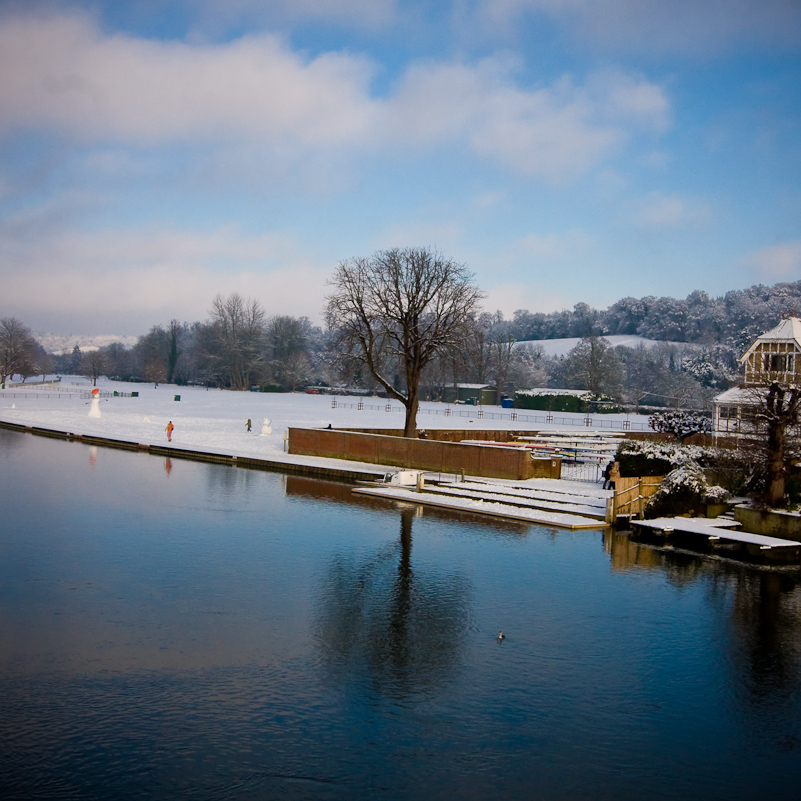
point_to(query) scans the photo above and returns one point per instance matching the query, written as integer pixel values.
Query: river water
(178, 630)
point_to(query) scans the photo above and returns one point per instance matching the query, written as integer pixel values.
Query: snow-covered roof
(788, 330)
(579, 393)
(740, 395)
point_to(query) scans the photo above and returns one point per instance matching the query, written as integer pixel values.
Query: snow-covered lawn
(216, 420)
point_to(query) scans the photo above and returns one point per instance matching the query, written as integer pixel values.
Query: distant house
(774, 356)
(476, 394)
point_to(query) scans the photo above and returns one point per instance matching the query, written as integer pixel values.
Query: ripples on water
(202, 632)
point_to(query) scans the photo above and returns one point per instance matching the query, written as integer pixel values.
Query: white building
(774, 356)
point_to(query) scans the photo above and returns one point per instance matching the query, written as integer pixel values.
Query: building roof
(579, 393)
(744, 396)
(788, 330)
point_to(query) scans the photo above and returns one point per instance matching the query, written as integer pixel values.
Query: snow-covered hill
(561, 347)
(57, 343)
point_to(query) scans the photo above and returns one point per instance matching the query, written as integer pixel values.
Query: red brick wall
(420, 454)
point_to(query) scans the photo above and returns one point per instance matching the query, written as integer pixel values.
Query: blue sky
(155, 154)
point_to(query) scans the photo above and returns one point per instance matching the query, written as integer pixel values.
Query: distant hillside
(561, 347)
(734, 319)
(57, 344)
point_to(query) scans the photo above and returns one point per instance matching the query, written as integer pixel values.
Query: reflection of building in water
(318, 489)
(626, 554)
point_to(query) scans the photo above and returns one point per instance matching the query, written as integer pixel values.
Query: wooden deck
(493, 508)
(714, 531)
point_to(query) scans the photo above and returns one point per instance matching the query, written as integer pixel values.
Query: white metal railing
(476, 412)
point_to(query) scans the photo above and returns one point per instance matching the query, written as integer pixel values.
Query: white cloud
(555, 132)
(125, 277)
(776, 262)
(62, 72)
(256, 95)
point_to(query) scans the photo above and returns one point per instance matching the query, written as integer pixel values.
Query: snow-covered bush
(648, 458)
(684, 490)
(680, 424)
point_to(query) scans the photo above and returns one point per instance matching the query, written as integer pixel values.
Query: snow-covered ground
(215, 421)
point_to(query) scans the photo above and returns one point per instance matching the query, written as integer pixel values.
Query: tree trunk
(774, 495)
(775, 447)
(412, 403)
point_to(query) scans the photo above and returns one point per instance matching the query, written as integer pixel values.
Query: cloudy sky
(564, 150)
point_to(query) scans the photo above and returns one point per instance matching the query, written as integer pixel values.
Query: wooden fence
(631, 493)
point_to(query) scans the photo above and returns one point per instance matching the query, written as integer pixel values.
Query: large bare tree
(394, 311)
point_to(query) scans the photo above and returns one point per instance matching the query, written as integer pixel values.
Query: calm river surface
(190, 631)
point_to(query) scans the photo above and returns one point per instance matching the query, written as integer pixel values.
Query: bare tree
(287, 338)
(501, 354)
(94, 364)
(472, 358)
(528, 367)
(152, 352)
(398, 309)
(593, 365)
(17, 348)
(174, 332)
(239, 325)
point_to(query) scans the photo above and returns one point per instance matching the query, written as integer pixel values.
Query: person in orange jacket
(169, 430)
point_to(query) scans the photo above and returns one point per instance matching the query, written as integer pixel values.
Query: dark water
(192, 631)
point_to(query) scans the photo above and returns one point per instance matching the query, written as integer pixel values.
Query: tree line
(411, 319)
(733, 320)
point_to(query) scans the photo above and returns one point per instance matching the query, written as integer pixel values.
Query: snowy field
(561, 347)
(215, 421)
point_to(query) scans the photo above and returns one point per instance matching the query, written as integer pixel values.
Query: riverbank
(211, 425)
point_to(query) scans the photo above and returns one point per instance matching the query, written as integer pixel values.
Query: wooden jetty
(715, 530)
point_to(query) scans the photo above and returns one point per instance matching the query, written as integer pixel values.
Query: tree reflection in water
(381, 622)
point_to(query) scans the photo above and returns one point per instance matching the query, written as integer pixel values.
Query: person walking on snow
(169, 430)
(248, 424)
(608, 473)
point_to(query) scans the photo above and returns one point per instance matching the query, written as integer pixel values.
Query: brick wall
(421, 454)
